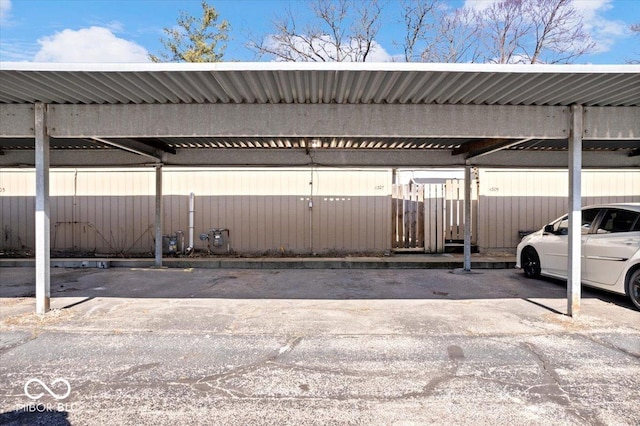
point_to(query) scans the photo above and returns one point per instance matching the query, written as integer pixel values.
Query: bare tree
(534, 31)
(559, 33)
(508, 31)
(341, 31)
(366, 28)
(419, 18)
(457, 39)
(636, 29)
(505, 26)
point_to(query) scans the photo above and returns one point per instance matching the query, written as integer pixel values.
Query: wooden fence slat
(430, 219)
(407, 212)
(415, 205)
(440, 219)
(454, 205)
(394, 216)
(420, 220)
(425, 216)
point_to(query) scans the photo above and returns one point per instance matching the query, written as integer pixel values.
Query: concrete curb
(436, 262)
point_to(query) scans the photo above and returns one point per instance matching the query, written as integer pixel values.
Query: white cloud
(479, 4)
(605, 32)
(589, 9)
(115, 26)
(379, 54)
(94, 44)
(5, 11)
(17, 51)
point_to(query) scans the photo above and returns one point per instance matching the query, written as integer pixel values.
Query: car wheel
(633, 288)
(530, 262)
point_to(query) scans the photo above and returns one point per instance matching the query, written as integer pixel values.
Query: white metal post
(467, 218)
(574, 269)
(43, 254)
(158, 222)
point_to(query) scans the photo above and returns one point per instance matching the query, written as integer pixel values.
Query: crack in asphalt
(610, 345)
(215, 381)
(19, 343)
(557, 394)
(207, 382)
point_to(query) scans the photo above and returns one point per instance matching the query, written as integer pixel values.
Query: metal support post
(467, 218)
(574, 270)
(42, 225)
(158, 222)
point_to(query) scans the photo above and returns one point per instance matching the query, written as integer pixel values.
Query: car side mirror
(548, 229)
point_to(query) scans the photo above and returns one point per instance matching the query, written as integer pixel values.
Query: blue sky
(127, 30)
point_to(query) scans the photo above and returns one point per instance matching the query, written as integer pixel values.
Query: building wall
(526, 200)
(90, 211)
(112, 211)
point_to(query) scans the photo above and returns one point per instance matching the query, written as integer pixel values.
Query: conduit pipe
(192, 213)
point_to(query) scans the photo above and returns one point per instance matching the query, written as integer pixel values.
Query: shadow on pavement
(35, 415)
(314, 284)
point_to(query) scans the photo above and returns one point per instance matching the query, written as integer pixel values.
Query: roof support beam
(131, 147)
(478, 145)
(157, 144)
(611, 123)
(574, 268)
(17, 121)
(555, 159)
(409, 158)
(43, 224)
(318, 157)
(486, 147)
(310, 120)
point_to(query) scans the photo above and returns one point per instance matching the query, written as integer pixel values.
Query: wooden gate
(429, 217)
(454, 211)
(407, 212)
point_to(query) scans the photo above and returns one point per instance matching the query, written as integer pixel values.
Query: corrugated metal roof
(331, 83)
(263, 83)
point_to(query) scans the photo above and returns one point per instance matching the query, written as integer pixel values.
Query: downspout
(192, 213)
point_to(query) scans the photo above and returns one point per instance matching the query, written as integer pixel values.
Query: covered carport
(351, 115)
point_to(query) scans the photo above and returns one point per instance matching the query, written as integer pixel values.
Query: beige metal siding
(269, 209)
(258, 207)
(516, 200)
(17, 209)
(106, 211)
(112, 211)
(102, 211)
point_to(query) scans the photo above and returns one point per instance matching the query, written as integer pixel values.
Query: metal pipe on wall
(192, 213)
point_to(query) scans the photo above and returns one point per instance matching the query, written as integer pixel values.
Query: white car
(610, 249)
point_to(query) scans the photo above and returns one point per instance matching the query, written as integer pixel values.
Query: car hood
(532, 235)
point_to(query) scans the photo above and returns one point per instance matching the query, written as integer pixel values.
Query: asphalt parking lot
(202, 346)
